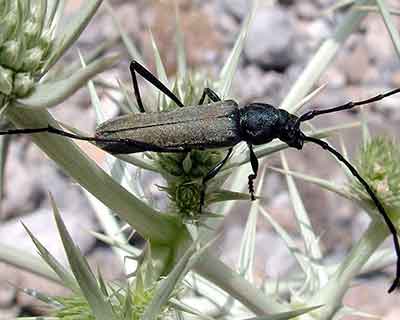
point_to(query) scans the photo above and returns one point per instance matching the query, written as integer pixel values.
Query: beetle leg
(254, 166)
(211, 174)
(147, 75)
(210, 94)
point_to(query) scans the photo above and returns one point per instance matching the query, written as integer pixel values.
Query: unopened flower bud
(10, 54)
(32, 59)
(23, 84)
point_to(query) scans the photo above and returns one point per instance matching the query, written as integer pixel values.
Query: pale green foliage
(378, 164)
(26, 41)
(225, 294)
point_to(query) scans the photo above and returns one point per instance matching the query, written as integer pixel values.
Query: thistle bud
(32, 59)
(378, 165)
(187, 198)
(10, 54)
(23, 84)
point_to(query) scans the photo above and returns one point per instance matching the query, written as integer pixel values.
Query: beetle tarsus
(254, 166)
(251, 178)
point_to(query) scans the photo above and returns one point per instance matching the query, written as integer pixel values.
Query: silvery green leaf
(366, 135)
(65, 275)
(317, 181)
(130, 46)
(290, 243)
(27, 261)
(55, 10)
(221, 195)
(332, 293)
(136, 161)
(68, 70)
(390, 25)
(248, 243)
(133, 107)
(133, 252)
(179, 305)
(170, 283)
(50, 94)
(303, 220)
(286, 315)
(98, 303)
(161, 73)
(68, 35)
(228, 71)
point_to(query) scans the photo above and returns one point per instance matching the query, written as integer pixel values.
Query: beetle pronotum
(220, 124)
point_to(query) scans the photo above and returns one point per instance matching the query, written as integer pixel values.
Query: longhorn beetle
(221, 124)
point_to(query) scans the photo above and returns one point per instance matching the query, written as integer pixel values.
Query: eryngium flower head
(26, 37)
(184, 171)
(378, 164)
(76, 307)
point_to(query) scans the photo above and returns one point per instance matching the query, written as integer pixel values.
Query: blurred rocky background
(281, 40)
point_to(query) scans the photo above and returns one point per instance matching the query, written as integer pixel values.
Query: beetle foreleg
(147, 75)
(254, 166)
(211, 174)
(207, 92)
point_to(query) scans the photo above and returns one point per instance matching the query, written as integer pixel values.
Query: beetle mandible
(220, 124)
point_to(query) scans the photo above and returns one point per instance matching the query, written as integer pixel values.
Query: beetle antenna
(53, 130)
(349, 105)
(379, 206)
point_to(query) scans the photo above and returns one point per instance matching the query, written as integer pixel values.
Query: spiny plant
(185, 274)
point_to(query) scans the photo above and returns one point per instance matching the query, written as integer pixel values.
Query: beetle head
(290, 130)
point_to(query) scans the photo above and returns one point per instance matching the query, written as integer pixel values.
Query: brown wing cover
(199, 127)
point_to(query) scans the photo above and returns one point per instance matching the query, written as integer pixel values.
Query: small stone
(252, 83)
(270, 38)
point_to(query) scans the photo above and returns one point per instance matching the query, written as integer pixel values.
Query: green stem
(149, 224)
(331, 295)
